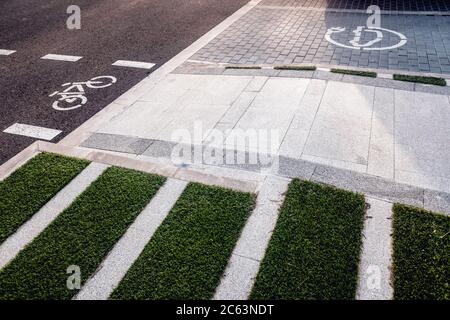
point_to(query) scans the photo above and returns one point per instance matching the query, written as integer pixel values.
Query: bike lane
(151, 32)
(27, 100)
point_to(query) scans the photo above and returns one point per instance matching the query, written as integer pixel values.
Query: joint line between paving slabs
(315, 116)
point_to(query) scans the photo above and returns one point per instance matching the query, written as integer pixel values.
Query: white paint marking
(240, 274)
(32, 131)
(130, 246)
(42, 219)
(448, 82)
(355, 42)
(4, 52)
(324, 69)
(133, 64)
(61, 57)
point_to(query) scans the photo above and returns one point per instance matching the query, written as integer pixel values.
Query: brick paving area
(272, 35)
(394, 5)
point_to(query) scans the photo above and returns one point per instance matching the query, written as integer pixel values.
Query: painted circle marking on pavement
(355, 42)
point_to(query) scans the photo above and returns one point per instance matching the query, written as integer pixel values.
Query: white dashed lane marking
(61, 57)
(32, 131)
(133, 64)
(4, 52)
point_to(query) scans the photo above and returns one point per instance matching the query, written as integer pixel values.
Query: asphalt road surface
(151, 31)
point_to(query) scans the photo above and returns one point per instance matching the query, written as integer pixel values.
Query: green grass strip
(189, 252)
(421, 79)
(243, 66)
(81, 235)
(295, 68)
(27, 189)
(355, 73)
(421, 254)
(315, 248)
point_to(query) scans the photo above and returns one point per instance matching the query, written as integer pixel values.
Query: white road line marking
(130, 246)
(32, 131)
(133, 64)
(4, 52)
(61, 57)
(42, 219)
(243, 266)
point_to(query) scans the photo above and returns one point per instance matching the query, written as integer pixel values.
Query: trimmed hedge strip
(421, 254)
(295, 68)
(31, 186)
(315, 248)
(189, 252)
(243, 66)
(355, 73)
(421, 79)
(82, 235)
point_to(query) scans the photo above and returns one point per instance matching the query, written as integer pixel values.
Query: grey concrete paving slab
(251, 72)
(381, 151)
(423, 180)
(366, 81)
(238, 108)
(237, 280)
(243, 266)
(159, 148)
(296, 74)
(437, 201)
(151, 115)
(118, 143)
(432, 89)
(297, 135)
(347, 165)
(290, 167)
(375, 268)
(281, 92)
(370, 185)
(341, 130)
(216, 90)
(422, 109)
(256, 84)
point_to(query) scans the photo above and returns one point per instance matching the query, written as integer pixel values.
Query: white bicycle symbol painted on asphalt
(75, 93)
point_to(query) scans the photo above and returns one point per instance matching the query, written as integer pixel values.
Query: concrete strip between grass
(243, 266)
(63, 257)
(130, 246)
(188, 253)
(374, 281)
(33, 227)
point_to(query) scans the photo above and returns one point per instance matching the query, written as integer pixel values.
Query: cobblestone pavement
(285, 35)
(403, 5)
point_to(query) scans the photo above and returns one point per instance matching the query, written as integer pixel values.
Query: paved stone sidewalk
(404, 5)
(394, 134)
(285, 35)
